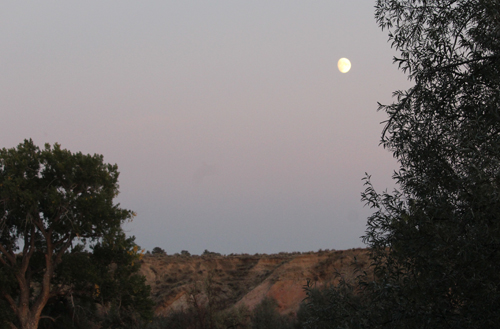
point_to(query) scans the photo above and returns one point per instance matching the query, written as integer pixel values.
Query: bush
(158, 251)
(266, 316)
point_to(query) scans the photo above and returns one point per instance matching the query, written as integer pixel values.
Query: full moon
(344, 65)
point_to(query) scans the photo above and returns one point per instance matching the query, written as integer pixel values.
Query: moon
(344, 65)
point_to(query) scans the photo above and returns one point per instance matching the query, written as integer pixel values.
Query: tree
(158, 250)
(265, 315)
(436, 240)
(106, 288)
(442, 228)
(53, 205)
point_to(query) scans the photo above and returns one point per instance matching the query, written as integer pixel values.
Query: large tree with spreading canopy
(55, 207)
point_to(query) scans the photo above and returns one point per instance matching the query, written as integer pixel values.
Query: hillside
(245, 279)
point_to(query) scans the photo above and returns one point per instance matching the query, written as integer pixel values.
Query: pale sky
(232, 128)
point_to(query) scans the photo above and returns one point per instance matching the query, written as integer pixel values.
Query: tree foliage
(436, 240)
(54, 206)
(265, 315)
(158, 251)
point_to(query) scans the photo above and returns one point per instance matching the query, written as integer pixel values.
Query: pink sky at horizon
(231, 125)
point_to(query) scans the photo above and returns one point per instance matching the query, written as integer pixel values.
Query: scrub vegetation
(209, 316)
(435, 240)
(241, 290)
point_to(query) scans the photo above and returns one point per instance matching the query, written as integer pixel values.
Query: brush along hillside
(181, 281)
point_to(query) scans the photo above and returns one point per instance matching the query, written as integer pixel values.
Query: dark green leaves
(435, 241)
(54, 206)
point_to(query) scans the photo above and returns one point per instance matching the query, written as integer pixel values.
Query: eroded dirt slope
(245, 279)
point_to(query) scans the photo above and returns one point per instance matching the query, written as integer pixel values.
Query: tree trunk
(30, 323)
(30, 316)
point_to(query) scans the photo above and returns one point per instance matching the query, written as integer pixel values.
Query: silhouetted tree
(54, 205)
(158, 251)
(436, 240)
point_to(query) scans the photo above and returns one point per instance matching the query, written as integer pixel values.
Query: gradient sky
(231, 125)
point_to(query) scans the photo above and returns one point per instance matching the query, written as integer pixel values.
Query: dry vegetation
(235, 280)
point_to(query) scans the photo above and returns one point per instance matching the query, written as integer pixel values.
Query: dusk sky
(232, 127)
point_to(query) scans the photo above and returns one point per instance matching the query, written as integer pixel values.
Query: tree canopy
(60, 234)
(435, 240)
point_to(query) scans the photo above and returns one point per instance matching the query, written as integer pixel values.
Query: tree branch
(437, 69)
(65, 247)
(48, 317)
(39, 224)
(10, 300)
(28, 253)
(66, 236)
(10, 256)
(399, 108)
